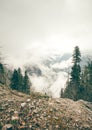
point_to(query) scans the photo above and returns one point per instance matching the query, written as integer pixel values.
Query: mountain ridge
(52, 71)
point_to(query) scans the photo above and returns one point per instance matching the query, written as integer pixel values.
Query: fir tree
(2, 74)
(76, 69)
(73, 85)
(76, 55)
(26, 86)
(2, 71)
(86, 82)
(20, 83)
(14, 80)
(20, 80)
(1, 68)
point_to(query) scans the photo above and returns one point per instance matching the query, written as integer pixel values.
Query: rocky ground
(39, 112)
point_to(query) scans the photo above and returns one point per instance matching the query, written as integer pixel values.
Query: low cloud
(52, 75)
(63, 65)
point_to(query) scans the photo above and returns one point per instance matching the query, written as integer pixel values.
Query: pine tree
(26, 86)
(14, 80)
(20, 83)
(17, 80)
(86, 82)
(20, 80)
(2, 74)
(1, 68)
(76, 55)
(2, 71)
(73, 85)
(76, 69)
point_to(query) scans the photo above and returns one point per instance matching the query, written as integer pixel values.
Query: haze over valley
(40, 36)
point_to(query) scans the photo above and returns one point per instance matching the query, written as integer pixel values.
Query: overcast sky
(43, 26)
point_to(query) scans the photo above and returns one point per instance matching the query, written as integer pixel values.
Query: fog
(32, 31)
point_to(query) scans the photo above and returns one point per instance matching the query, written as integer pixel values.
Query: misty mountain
(48, 62)
(51, 73)
(34, 70)
(56, 59)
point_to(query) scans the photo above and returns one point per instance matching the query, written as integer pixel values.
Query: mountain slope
(39, 112)
(51, 73)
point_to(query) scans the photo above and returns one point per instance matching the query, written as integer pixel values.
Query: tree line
(15, 80)
(19, 82)
(3, 73)
(79, 84)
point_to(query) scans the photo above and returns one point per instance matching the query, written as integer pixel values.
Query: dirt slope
(38, 112)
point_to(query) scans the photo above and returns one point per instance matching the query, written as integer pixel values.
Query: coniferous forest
(79, 85)
(19, 82)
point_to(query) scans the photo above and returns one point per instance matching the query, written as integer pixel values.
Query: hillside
(52, 71)
(39, 112)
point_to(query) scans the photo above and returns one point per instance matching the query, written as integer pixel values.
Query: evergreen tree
(2, 74)
(76, 55)
(89, 82)
(14, 80)
(86, 83)
(26, 86)
(73, 85)
(2, 71)
(20, 83)
(20, 80)
(1, 68)
(76, 69)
